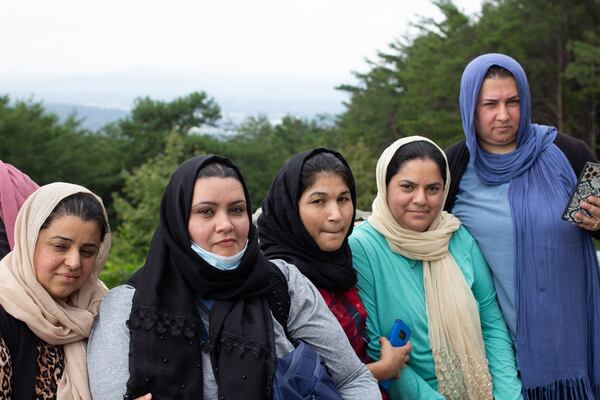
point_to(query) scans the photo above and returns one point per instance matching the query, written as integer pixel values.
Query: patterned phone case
(588, 184)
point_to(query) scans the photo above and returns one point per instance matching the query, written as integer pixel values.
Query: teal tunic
(391, 287)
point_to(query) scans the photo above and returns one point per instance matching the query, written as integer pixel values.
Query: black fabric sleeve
(578, 153)
(4, 246)
(458, 158)
(21, 343)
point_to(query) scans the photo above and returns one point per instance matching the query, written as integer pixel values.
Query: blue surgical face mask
(220, 262)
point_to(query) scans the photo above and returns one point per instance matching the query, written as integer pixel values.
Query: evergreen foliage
(410, 88)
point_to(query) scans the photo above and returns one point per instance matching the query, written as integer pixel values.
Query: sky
(281, 47)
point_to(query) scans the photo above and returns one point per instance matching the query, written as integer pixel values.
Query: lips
(340, 231)
(226, 242)
(69, 277)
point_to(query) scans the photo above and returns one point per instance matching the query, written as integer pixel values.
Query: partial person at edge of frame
(15, 187)
(50, 293)
(511, 180)
(306, 219)
(418, 263)
(203, 281)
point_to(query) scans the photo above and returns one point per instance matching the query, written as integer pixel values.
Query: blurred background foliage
(410, 88)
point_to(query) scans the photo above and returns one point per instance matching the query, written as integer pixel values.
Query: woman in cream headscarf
(50, 293)
(417, 263)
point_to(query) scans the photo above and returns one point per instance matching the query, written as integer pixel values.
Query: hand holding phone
(587, 185)
(398, 337)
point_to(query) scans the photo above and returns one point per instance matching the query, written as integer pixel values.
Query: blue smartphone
(398, 337)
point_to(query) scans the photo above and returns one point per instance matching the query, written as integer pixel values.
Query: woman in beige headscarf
(417, 263)
(50, 293)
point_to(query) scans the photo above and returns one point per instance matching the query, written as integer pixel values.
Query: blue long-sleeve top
(391, 287)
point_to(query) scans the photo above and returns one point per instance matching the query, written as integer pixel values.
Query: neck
(498, 149)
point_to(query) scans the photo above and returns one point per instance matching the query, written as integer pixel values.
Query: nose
(224, 224)
(334, 213)
(419, 196)
(503, 113)
(73, 259)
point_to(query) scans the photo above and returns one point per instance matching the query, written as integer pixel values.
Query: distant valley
(97, 100)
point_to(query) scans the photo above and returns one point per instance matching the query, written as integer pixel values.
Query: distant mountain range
(101, 99)
(92, 118)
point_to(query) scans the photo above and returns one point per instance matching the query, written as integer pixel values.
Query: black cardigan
(22, 346)
(4, 245)
(576, 151)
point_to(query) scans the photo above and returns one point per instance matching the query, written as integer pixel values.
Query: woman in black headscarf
(306, 220)
(199, 307)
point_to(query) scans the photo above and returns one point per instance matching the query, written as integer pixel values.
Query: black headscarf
(165, 348)
(282, 233)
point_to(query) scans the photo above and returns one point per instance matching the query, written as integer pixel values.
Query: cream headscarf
(22, 296)
(454, 327)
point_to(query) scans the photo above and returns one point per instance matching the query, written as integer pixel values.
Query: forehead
(327, 180)
(216, 189)
(498, 86)
(419, 169)
(71, 226)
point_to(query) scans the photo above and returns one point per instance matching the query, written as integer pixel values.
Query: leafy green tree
(260, 148)
(585, 72)
(48, 150)
(413, 87)
(137, 209)
(363, 169)
(143, 134)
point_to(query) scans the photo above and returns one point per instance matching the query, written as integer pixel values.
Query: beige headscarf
(454, 327)
(22, 296)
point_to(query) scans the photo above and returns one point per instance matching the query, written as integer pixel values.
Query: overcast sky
(282, 41)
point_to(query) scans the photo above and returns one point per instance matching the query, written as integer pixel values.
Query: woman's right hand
(147, 396)
(393, 359)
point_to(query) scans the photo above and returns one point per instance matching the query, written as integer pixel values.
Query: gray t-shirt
(309, 320)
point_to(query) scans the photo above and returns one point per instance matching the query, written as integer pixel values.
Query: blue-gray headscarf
(557, 275)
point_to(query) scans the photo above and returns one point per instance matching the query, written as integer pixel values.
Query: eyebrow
(62, 238)
(66, 239)
(325, 194)
(494, 99)
(212, 203)
(413, 183)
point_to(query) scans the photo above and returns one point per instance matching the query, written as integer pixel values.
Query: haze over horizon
(265, 56)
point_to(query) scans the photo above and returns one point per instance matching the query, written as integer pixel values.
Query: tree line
(410, 88)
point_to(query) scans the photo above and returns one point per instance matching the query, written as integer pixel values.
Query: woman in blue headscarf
(511, 180)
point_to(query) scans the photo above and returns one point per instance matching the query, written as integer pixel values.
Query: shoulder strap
(279, 300)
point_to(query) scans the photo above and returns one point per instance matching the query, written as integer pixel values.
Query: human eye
(317, 201)
(407, 187)
(434, 189)
(59, 246)
(204, 212)
(514, 102)
(87, 252)
(344, 199)
(238, 210)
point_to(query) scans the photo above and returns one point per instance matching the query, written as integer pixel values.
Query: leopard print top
(50, 366)
(5, 372)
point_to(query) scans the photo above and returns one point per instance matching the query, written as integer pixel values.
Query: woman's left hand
(592, 223)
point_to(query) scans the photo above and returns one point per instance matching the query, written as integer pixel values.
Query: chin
(418, 227)
(328, 247)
